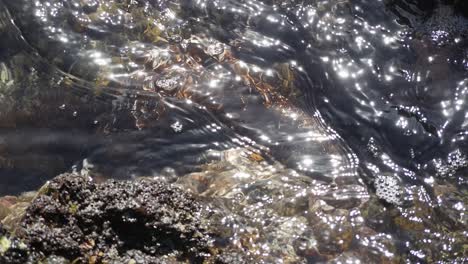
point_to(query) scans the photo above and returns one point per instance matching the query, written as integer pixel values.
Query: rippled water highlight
(318, 131)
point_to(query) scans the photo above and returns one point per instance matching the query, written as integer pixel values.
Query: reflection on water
(319, 130)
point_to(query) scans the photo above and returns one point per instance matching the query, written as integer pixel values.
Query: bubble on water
(168, 84)
(177, 126)
(388, 188)
(372, 147)
(456, 160)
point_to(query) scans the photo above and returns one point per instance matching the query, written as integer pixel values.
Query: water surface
(318, 131)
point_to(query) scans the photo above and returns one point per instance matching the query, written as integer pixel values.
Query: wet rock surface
(75, 219)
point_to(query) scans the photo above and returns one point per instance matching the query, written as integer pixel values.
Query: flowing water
(317, 131)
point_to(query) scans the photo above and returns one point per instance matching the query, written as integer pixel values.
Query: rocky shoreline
(74, 220)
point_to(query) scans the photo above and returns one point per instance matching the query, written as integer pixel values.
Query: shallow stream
(317, 131)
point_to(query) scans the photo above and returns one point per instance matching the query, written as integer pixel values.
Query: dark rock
(143, 221)
(12, 250)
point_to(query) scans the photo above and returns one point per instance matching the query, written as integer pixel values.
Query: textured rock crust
(144, 221)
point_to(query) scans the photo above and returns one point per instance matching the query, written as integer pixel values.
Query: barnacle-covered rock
(145, 221)
(12, 250)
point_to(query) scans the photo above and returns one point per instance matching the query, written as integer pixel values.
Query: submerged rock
(275, 213)
(144, 221)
